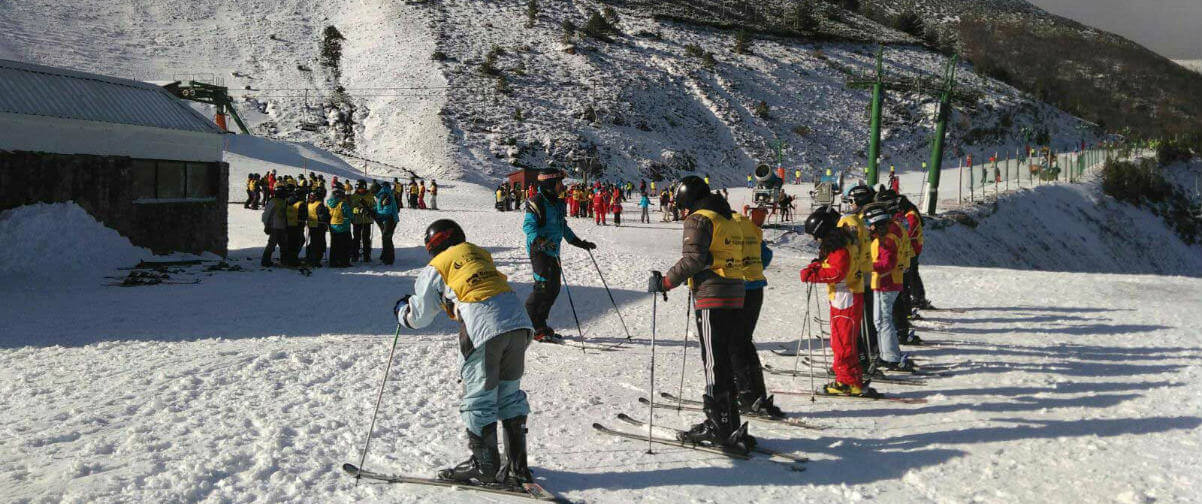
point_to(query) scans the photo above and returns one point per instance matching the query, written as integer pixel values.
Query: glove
(811, 272)
(400, 305)
(656, 283)
(586, 245)
(266, 230)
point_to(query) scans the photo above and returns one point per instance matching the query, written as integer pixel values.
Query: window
(201, 180)
(170, 184)
(173, 180)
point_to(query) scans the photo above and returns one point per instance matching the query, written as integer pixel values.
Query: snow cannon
(767, 186)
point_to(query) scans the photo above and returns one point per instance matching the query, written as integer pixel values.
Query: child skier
(887, 270)
(616, 207)
(645, 206)
(838, 266)
(494, 331)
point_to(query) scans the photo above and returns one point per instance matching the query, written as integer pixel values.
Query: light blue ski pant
(492, 376)
(886, 331)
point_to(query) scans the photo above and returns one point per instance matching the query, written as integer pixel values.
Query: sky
(1172, 28)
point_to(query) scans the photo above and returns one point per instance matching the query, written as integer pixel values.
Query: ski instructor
(712, 263)
(546, 226)
(462, 281)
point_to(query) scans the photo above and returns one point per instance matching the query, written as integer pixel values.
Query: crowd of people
(294, 207)
(867, 257)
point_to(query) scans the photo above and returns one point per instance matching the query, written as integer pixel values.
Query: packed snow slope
(256, 385)
(647, 102)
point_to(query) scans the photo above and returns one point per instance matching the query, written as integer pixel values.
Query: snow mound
(49, 239)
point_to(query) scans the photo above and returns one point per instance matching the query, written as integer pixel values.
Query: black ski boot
(761, 406)
(719, 428)
(516, 471)
(484, 463)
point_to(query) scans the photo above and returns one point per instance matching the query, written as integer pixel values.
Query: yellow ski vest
(313, 217)
(895, 275)
(337, 216)
(468, 270)
(293, 213)
(863, 245)
(726, 246)
(753, 264)
(917, 235)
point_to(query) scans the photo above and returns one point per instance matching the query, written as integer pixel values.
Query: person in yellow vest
(363, 209)
(858, 197)
(752, 396)
(797, 177)
(901, 308)
(494, 331)
(712, 264)
(913, 282)
(340, 228)
(317, 220)
(887, 273)
(275, 226)
(838, 266)
(250, 191)
(296, 214)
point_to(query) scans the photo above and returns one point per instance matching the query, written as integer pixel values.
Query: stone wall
(103, 186)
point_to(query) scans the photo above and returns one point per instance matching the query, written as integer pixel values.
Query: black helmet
(821, 222)
(876, 214)
(443, 234)
(362, 184)
(339, 192)
(691, 190)
(375, 187)
(860, 195)
(548, 178)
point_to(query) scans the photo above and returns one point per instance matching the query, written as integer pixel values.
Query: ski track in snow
(256, 386)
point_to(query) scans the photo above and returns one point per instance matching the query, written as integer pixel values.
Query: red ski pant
(845, 329)
(599, 214)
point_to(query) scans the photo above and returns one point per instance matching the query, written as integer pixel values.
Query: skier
(340, 228)
(913, 282)
(296, 213)
(363, 208)
(644, 206)
(462, 280)
(318, 219)
(546, 226)
(893, 182)
(711, 262)
(753, 396)
(250, 191)
(616, 207)
(433, 194)
(599, 210)
(421, 196)
(902, 306)
(838, 266)
(857, 198)
(387, 216)
(413, 193)
(886, 283)
(275, 226)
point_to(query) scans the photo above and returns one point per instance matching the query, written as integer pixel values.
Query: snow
(46, 240)
(1073, 384)
(1195, 65)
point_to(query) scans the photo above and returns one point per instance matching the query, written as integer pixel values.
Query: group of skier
(293, 206)
(874, 247)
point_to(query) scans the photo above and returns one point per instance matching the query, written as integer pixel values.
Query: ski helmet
(860, 195)
(691, 190)
(876, 214)
(821, 222)
(443, 234)
(549, 178)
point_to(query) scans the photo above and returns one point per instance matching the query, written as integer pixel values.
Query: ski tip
(598, 426)
(350, 468)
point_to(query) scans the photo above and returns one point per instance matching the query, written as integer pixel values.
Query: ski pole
(372, 426)
(684, 351)
(609, 293)
(568, 289)
(805, 321)
(651, 403)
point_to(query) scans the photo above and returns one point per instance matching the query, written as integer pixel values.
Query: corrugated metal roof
(56, 92)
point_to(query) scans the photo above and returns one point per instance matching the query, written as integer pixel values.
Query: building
(137, 158)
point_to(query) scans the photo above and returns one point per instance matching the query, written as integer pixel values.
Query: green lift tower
(217, 96)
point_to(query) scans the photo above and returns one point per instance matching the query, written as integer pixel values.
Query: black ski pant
(720, 330)
(296, 241)
(387, 251)
(250, 198)
(546, 289)
(340, 248)
(745, 361)
(913, 284)
(361, 242)
(868, 350)
(317, 245)
(275, 238)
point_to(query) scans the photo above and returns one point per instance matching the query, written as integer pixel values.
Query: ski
(528, 490)
(818, 393)
(687, 406)
(758, 449)
(796, 422)
(670, 442)
(915, 382)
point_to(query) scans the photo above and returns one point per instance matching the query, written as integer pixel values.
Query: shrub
(694, 50)
(761, 110)
(742, 41)
(598, 27)
(331, 47)
(438, 56)
(802, 17)
(909, 22)
(531, 13)
(1142, 184)
(802, 130)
